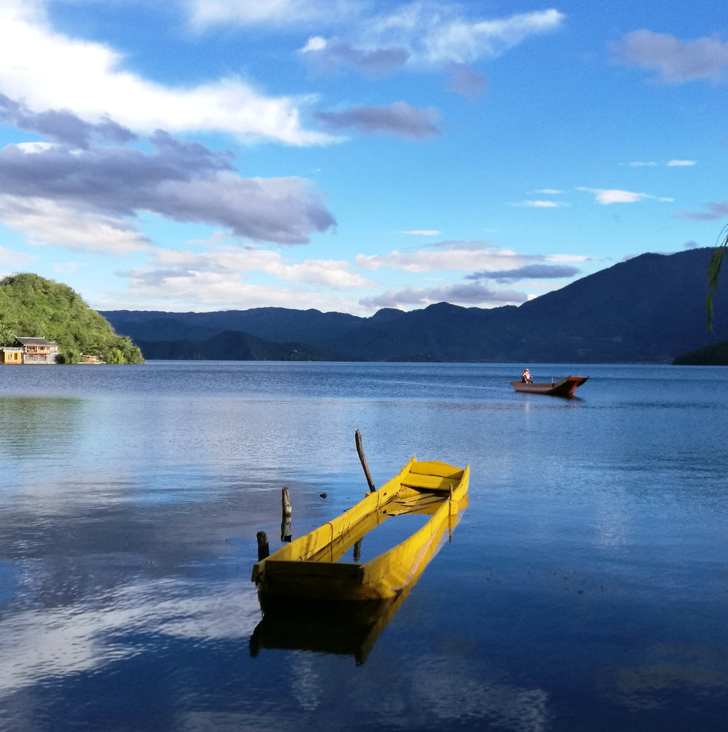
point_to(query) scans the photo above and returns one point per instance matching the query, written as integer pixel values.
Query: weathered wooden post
(286, 502)
(357, 551)
(364, 465)
(287, 511)
(263, 550)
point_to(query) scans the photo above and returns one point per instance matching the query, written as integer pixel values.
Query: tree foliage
(715, 264)
(33, 306)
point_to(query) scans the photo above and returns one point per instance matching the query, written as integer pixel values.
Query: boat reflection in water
(312, 601)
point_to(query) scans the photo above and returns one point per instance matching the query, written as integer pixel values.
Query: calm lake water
(585, 587)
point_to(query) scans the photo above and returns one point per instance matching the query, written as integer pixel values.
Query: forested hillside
(33, 306)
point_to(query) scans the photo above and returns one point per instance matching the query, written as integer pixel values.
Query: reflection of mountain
(646, 310)
(343, 628)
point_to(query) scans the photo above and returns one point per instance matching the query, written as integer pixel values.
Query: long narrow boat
(308, 568)
(342, 628)
(565, 387)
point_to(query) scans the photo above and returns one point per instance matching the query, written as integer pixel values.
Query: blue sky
(350, 155)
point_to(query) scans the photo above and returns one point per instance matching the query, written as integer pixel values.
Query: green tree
(115, 356)
(7, 336)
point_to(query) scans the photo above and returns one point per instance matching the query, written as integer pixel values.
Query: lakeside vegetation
(31, 305)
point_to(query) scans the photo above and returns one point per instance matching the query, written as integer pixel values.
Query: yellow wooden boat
(342, 628)
(308, 568)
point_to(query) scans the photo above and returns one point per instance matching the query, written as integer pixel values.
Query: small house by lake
(11, 355)
(27, 350)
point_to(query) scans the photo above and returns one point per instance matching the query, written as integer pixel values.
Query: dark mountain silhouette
(715, 355)
(232, 346)
(648, 309)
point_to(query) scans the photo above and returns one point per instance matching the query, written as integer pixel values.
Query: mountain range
(648, 309)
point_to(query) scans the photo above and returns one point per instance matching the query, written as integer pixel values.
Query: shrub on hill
(33, 306)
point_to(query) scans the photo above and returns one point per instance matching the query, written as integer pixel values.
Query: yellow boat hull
(308, 568)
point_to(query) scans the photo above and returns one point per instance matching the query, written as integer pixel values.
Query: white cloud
(549, 191)
(436, 34)
(606, 196)
(564, 258)
(540, 204)
(676, 61)
(423, 232)
(681, 163)
(426, 34)
(180, 290)
(48, 222)
(9, 257)
(666, 200)
(48, 70)
(640, 164)
(472, 293)
(468, 256)
(225, 260)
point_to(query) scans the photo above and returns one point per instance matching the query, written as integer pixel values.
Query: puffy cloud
(529, 271)
(606, 196)
(180, 289)
(460, 255)
(50, 71)
(330, 55)
(681, 163)
(48, 222)
(182, 181)
(395, 119)
(715, 211)
(471, 293)
(63, 126)
(465, 81)
(675, 61)
(328, 272)
(467, 256)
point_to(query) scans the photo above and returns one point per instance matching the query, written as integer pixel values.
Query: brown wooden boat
(565, 387)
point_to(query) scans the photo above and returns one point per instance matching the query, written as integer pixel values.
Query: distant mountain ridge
(648, 309)
(231, 346)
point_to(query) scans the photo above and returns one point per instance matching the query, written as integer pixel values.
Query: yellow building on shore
(29, 350)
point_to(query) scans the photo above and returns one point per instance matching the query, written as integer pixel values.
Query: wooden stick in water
(286, 502)
(364, 465)
(263, 550)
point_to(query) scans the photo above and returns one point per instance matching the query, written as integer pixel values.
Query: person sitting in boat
(526, 377)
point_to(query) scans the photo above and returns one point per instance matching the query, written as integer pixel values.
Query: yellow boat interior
(310, 567)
